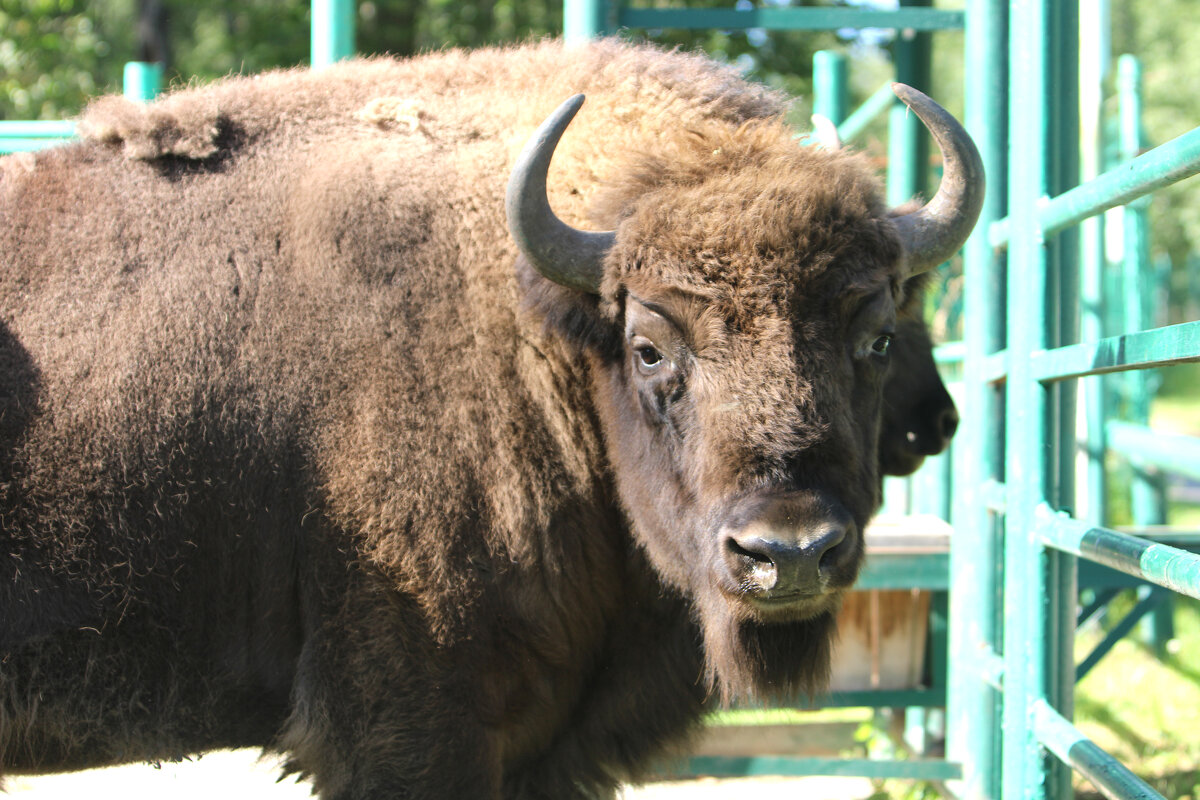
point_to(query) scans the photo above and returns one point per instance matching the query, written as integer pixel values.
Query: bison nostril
(948, 424)
(754, 561)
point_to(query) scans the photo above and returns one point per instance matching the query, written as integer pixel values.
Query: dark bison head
(748, 294)
(919, 416)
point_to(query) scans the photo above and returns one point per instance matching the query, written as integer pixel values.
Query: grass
(1142, 709)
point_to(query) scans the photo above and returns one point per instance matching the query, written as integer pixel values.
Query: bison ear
(573, 315)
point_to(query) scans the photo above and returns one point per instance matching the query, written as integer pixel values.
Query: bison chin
(748, 659)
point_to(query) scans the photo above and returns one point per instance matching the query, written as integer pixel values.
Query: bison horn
(935, 232)
(567, 256)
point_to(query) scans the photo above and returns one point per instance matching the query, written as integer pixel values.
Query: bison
(919, 415)
(301, 449)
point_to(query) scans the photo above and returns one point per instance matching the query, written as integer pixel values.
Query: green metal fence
(1018, 555)
(1011, 656)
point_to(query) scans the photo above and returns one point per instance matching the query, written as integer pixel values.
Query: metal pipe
(142, 81)
(790, 19)
(1069, 744)
(975, 669)
(332, 32)
(1178, 455)
(829, 85)
(584, 20)
(1166, 164)
(871, 108)
(1172, 344)
(1027, 651)
(1177, 570)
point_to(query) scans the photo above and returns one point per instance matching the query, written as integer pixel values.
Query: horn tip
(906, 92)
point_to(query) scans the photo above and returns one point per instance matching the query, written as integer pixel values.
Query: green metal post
(1148, 501)
(972, 736)
(143, 81)
(1062, 104)
(830, 98)
(1026, 607)
(332, 31)
(587, 19)
(908, 147)
(1094, 67)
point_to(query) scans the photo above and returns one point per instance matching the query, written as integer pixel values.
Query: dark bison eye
(648, 357)
(880, 346)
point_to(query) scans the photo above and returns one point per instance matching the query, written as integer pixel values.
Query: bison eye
(648, 357)
(880, 346)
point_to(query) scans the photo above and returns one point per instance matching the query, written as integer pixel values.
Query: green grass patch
(1143, 710)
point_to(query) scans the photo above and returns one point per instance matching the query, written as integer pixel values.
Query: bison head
(746, 300)
(919, 415)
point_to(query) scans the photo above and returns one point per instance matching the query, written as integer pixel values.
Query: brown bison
(299, 450)
(919, 415)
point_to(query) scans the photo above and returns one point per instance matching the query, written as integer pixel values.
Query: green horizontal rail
(43, 129)
(1166, 164)
(995, 367)
(905, 571)
(929, 697)
(790, 19)
(1069, 744)
(1179, 455)
(950, 353)
(1177, 570)
(853, 126)
(1173, 344)
(734, 766)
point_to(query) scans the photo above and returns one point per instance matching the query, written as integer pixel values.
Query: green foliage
(53, 55)
(1163, 34)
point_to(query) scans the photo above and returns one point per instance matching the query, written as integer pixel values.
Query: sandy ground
(242, 775)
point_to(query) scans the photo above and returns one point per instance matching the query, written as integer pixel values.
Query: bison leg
(375, 715)
(646, 701)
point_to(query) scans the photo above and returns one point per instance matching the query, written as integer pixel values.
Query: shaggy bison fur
(297, 450)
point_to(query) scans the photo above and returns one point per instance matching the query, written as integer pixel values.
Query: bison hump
(148, 132)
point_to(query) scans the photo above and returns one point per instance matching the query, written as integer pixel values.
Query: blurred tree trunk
(153, 44)
(389, 26)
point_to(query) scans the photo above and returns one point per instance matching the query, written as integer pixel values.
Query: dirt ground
(242, 775)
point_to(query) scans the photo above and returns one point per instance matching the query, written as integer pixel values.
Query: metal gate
(1016, 552)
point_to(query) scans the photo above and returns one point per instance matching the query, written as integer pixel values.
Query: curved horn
(934, 232)
(567, 256)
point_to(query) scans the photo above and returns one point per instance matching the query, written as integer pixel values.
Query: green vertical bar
(1093, 68)
(586, 19)
(332, 31)
(972, 705)
(829, 86)
(1026, 605)
(908, 147)
(142, 81)
(1062, 105)
(1148, 501)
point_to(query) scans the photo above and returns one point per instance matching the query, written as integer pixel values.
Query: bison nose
(947, 425)
(791, 545)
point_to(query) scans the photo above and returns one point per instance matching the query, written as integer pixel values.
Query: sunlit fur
(296, 452)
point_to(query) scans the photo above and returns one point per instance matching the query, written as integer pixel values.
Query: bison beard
(747, 660)
(301, 449)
